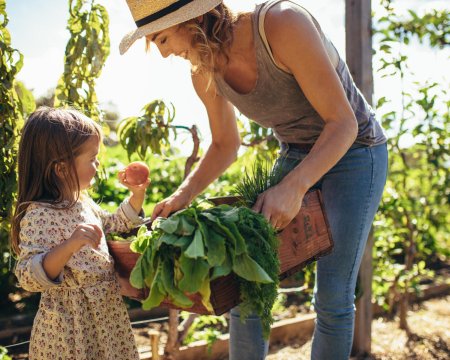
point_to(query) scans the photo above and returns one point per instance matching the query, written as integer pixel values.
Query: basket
(224, 290)
(304, 240)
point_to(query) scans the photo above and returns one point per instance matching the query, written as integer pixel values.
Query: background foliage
(86, 53)
(413, 224)
(15, 103)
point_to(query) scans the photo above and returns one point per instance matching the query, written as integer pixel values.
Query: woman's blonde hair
(50, 138)
(212, 38)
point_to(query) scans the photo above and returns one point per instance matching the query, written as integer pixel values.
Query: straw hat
(152, 16)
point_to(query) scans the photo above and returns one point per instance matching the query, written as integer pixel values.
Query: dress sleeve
(123, 219)
(38, 235)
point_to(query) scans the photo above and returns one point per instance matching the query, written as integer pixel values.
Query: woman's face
(175, 40)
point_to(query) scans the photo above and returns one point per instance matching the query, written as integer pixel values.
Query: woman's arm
(297, 46)
(220, 154)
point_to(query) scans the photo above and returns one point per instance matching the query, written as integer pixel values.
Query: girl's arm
(220, 155)
(297, 47)
(129, 214)
(43, 252)
(137, 197)
(85, 234)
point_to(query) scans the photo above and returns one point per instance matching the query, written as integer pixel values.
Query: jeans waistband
(306, 148)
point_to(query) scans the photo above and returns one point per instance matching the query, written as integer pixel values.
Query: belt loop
(284, 148)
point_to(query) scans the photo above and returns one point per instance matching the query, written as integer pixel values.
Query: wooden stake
(154, 343)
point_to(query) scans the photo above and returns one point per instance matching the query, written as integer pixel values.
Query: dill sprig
(263, 176)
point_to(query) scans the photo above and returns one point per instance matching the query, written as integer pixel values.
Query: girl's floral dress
(81, 314)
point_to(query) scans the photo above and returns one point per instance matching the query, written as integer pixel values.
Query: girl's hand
(135, 189)
(175, 202)
(85, 234)
(279, 204)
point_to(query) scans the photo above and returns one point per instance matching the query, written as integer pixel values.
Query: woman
(278, 68)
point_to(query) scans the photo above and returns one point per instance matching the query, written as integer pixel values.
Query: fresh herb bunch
(263, 176)
(193, 247)
(261, 241)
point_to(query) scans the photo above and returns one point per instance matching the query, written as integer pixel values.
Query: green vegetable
(186, 251)
(255, 182)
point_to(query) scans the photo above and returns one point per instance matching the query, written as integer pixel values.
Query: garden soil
(430, 337)
(429, 324)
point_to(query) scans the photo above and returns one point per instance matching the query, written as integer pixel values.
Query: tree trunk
(358, 26)
(410, 254)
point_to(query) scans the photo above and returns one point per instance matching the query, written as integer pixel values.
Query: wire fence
(285, 291)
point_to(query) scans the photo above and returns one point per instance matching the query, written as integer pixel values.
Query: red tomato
(136, 173)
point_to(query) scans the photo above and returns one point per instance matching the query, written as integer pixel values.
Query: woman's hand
(174, 202)
(279, 204)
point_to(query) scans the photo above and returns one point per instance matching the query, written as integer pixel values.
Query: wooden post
(154, 343)
(358, 42)
(358, 26)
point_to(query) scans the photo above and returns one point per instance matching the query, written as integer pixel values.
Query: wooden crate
(304, 240)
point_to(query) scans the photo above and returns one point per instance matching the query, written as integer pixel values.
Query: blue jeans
(351, 193)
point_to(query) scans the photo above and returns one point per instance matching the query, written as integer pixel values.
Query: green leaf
(170, 224)
(196, 248)
(249, 269)
(241, 247)
(142, 240)
(183, 242)
(137, 275)
(157, 293)
(194, 272)
(215, 244)
(231, 215)
(168, 239)
(185, 227)
(143, 272)
(205, 292)
(177, 297)
(222, 270)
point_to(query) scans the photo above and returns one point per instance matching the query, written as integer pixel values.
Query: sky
(38, 30)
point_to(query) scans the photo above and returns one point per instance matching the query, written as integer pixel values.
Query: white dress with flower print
(81, 315)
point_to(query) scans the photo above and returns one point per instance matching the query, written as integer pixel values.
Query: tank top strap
(260, 18)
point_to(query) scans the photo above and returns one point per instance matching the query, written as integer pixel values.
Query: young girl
(58, 235)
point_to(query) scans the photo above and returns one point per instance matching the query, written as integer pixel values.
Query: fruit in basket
(136, 173)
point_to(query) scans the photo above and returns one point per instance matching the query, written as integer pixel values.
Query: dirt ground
(429, 323)
(430, 337)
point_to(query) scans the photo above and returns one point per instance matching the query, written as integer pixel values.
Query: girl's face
(87, 163)
(175, 40)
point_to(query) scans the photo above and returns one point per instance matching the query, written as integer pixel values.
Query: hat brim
(187, 12)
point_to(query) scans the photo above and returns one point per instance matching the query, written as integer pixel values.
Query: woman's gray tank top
(278, 102)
